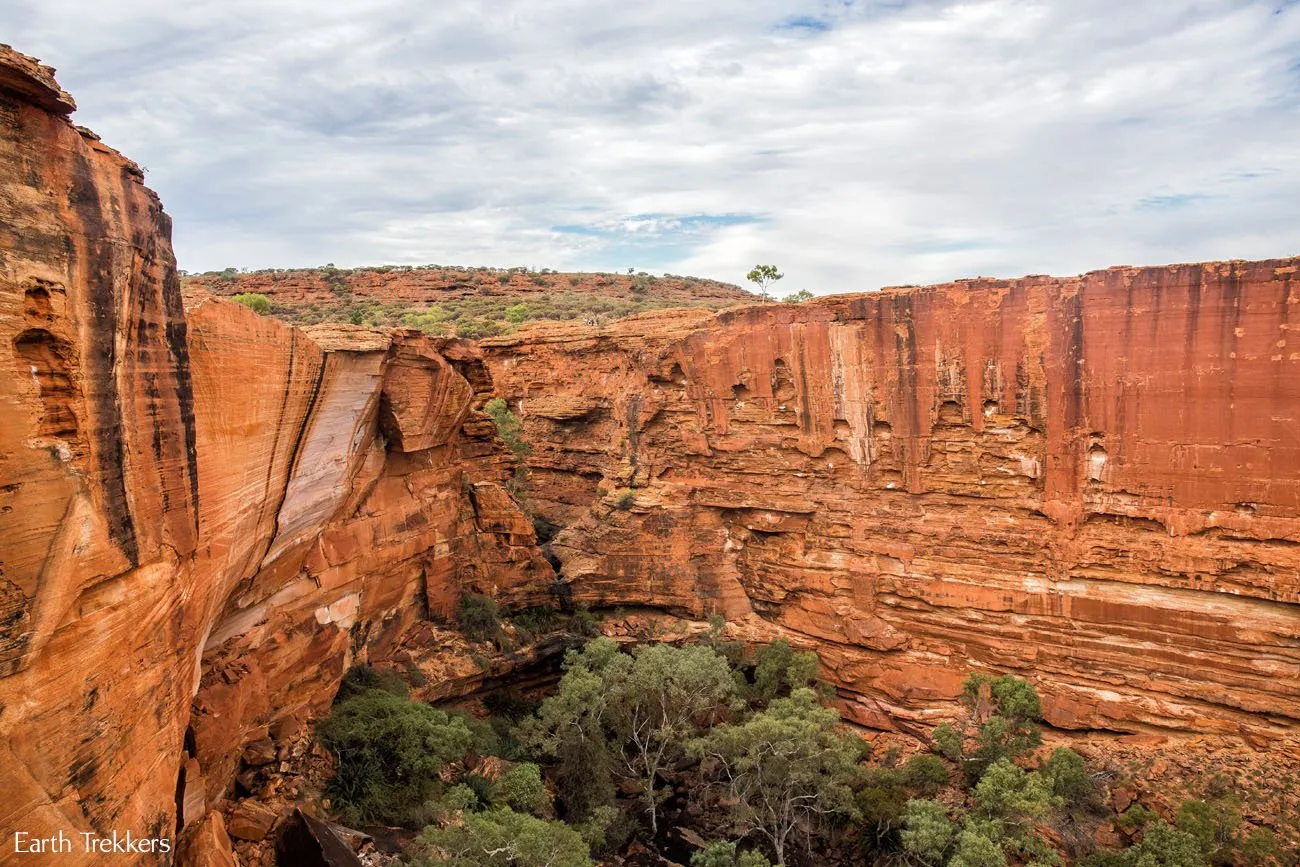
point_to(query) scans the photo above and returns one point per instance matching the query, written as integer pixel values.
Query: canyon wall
(1092, 482)
(205, 515)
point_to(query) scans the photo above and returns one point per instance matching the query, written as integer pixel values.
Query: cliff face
(1093, 482)
(205, 515)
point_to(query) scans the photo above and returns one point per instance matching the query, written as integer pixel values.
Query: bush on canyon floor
(254, 301)
(389, 750)
(788, 768)
(723, 854)
(627, 714)
(778, 669)
(1001, 722)
(360, 679)
(500, 838)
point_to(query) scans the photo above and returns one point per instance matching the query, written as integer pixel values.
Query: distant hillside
(470, 302)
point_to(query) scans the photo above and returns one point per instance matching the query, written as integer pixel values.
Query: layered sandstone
(205, 515)
(1093, 482)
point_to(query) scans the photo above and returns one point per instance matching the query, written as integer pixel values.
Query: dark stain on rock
(101, 355)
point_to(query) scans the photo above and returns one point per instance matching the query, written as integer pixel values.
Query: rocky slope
(206, 515)
(1093, 482)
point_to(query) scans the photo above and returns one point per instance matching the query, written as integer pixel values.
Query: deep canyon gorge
(207, 516)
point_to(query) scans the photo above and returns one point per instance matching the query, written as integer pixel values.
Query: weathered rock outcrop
(205, 515)
(1093, 482)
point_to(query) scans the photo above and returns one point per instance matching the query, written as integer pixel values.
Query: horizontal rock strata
(1093, 482)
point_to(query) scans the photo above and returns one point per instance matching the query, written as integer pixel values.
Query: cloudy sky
(854, 143)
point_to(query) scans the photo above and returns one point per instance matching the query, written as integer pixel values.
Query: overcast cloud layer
(854, 144)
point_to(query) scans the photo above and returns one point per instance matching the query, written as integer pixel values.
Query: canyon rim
(207, 516)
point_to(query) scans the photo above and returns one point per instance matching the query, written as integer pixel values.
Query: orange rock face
(205, 515)
(1091, 482)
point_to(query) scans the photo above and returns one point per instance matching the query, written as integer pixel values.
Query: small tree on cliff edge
(764, 276)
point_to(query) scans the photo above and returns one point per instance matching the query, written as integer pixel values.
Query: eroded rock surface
(205, 515)
(1093, 482)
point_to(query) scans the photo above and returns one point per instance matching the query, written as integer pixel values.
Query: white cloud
(853, 143)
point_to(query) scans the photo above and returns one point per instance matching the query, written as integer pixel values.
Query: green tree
(1163, 846)
(719, 853)
(1070, 782)
(509, 427)
(1214, 825)
(1011, 798)
(517, 313)
(655, 700)
(500, 838)
(786, 766)
(976, 850)
(763, 276)
(1002, 717)
(570, 729)
(521, 789)
(723, 854)
(928, 833)
(882, 801)
(798, 297)
(390, 750)
(778, 667)
(254, 301)
(925, 774)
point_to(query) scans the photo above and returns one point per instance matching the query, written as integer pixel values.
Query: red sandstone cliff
(205, 515)
(1093, 482)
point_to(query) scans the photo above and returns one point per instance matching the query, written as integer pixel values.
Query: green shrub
(361, 679)
(946, 741)
(928, 833)
(390, 750)
(719, 853)
(925, 774)
(625, 500)
(485, 791)
(779, 669)
(254, 301)
(521, 789)
(478, 617)
(500, 838)
(1068, 775)
(537, 621)
(508, 426)
(584, 623)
